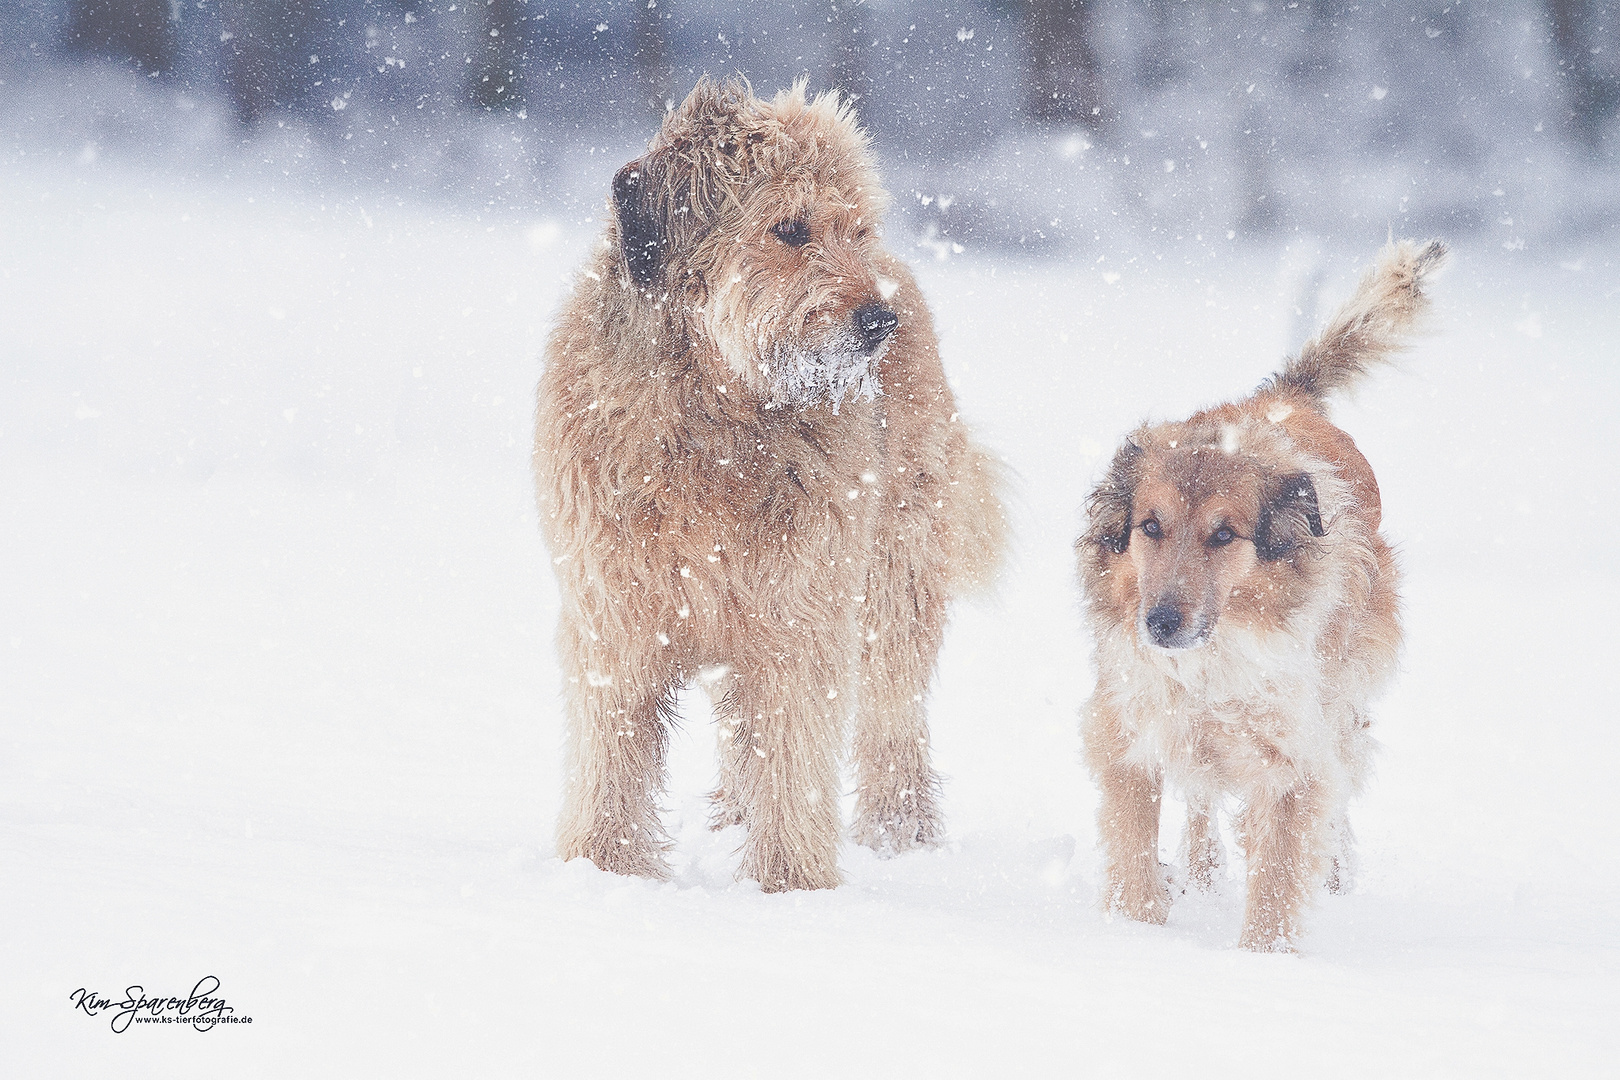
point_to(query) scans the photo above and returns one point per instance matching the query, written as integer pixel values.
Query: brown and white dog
(1245, 610)
(751, 475)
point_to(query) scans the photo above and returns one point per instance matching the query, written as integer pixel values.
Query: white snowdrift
(279, 703)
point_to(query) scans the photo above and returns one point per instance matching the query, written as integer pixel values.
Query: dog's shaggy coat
(752, 476)
(1245, 610)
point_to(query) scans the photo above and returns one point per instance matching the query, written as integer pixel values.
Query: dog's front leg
(1127, 820)
(787, 722)
(897, 790)
(1282, 842)
(617, 741)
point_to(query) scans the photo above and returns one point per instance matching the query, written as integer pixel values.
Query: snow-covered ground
(278, 704)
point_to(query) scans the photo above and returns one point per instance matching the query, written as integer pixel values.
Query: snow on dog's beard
(806, 373)
(828, 364)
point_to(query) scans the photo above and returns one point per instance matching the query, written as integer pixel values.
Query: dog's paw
(902, 818)
(1266, 940)
(778, 875)
(1268, 928)
(1145, 898)
(636, 855)
(894, 834)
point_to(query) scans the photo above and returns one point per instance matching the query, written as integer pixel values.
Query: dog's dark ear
(1288, 512)
(1108, 508)
(642, 235)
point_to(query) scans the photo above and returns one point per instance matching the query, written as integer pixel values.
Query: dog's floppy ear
(642, 234)
(1288, 512)
(1108, 508)
(664, 200)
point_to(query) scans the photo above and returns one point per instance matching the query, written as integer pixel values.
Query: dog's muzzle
(1169, 629)
(844, 363)
(874, 323)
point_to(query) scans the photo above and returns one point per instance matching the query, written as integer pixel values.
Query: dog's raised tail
(1370, 327)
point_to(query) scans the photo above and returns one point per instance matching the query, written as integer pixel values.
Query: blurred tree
(499, 52)
(1583, 32)
(1316, 32)
(849, 46)
(655, 77)
(1260, 209)
(1062, 83)
(1156, 61)
(141, 31)
(269, 56)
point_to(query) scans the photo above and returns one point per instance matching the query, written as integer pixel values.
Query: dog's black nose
(1163, 622)
(875, 323)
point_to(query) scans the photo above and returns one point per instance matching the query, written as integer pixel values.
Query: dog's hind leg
(787, 716)
(617, 740)
(724, 809)
(897, 790)
(1341, 856)
(1127, 820)
(1282, 841)
(1203, 843)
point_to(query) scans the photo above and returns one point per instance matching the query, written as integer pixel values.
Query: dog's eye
(1221, 537)
(792, 233)
(1151, 528)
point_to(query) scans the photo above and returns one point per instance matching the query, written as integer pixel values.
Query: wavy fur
(1370, 327)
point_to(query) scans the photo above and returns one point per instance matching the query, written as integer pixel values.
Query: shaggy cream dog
(750, 468)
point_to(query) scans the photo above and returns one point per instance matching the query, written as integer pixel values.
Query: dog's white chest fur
(1244, 709)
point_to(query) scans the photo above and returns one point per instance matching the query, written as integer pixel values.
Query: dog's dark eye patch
(792, 233)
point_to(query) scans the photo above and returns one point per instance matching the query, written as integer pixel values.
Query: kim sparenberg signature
(201, 1010)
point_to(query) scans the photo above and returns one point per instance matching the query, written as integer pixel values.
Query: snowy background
(277, 696)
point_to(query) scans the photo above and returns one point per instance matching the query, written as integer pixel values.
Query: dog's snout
(875, 323)
(1163, 622)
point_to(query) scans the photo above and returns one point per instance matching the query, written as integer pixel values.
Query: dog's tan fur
(734, 494)
(1242, 662)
